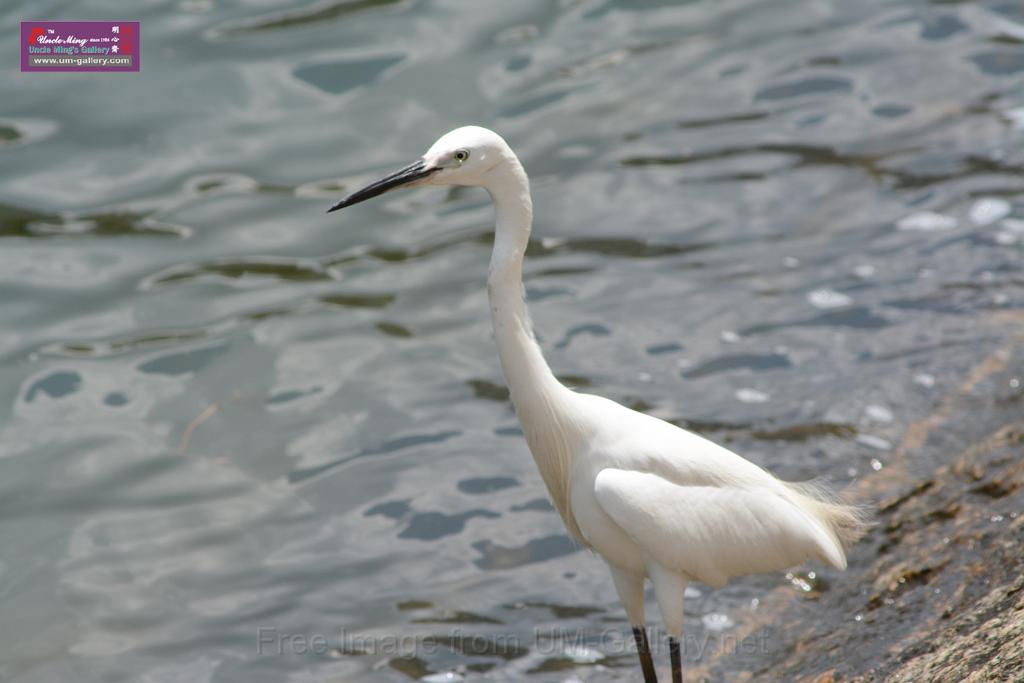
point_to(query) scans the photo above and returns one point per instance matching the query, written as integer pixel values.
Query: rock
(936, 591)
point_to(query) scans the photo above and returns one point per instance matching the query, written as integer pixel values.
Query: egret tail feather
(846, 523)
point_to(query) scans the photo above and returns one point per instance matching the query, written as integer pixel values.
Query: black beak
(409, 174)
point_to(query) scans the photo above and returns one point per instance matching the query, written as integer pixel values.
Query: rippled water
(232, 423)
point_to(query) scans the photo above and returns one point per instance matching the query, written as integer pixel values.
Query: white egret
(655, 501)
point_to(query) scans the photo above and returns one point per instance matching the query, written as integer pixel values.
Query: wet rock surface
(935, 592)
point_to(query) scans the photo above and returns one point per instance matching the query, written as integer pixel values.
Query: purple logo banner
(80, 45)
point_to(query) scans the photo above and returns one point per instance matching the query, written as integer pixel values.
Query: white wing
(712, 533)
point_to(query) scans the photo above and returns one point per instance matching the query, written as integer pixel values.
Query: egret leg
(677, 662)
(643, 649)
(630, 587)
(670, 589)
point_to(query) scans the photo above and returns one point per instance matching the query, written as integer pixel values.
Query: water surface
(231, 424)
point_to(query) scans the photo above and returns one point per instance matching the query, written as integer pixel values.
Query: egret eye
(461, 155)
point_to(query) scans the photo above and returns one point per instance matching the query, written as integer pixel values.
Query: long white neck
(530, 381)
(542, 403)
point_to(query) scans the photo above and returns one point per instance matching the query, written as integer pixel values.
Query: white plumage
(655, 501)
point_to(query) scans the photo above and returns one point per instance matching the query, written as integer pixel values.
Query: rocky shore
(936, 589)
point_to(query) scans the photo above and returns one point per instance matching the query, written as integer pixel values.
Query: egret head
(464, 156)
